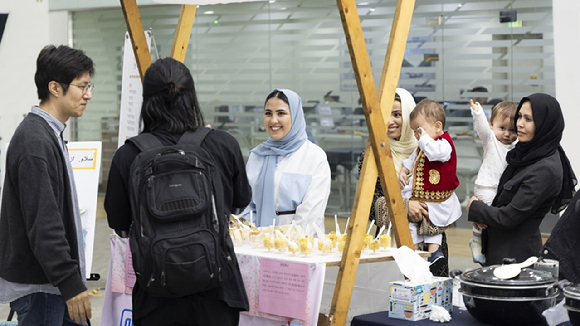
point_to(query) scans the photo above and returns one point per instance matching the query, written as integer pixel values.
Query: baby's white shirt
(448, 211)
(494, 152)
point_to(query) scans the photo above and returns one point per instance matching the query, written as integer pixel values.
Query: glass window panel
(243, 50)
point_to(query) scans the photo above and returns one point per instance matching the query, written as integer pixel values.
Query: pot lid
(528, 276)
(572, 291)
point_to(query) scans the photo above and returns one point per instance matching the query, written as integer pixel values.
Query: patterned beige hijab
(401, 149)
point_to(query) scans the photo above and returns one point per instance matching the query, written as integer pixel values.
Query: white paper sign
(86, 163)
(131, 93)
(83, 159)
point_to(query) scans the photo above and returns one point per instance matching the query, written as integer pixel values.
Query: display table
(370, 291)
(331, 258)
(459, 317)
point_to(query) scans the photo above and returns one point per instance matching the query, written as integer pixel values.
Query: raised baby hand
(475, 106)
(419, 132)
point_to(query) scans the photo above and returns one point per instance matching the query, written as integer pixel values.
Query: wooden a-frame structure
(377, 108)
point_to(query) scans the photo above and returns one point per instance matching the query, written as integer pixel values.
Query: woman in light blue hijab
(289, 175)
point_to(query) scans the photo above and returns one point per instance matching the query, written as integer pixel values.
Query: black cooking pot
(516, 301)
(572, 294)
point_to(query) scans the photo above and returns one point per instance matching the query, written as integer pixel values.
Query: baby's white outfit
(440, 214)
(490, 171)
(494, 163)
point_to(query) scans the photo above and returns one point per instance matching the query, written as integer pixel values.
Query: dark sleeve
(241, 186)
(39, 196)
(525, 194)
(117, 204)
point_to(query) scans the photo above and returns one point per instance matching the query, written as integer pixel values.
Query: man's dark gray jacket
(38, 242)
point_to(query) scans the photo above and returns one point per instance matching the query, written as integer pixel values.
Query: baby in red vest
(429, 176)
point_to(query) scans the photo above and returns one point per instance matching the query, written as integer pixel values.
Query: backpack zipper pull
(162, 278)
(151, 279)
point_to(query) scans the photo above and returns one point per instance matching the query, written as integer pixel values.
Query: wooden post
(137, 35)
(183, 32)
(388, 84)
(378, 159)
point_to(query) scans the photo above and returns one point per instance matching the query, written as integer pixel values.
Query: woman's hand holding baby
(417, 210)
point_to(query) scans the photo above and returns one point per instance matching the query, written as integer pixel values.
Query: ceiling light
(209, 12)
(372, 9)
(363, 4)
(271, 1)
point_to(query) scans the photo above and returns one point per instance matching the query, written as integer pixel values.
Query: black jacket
(564, 242)
(514, 223)
(38, 239)
(228, 158)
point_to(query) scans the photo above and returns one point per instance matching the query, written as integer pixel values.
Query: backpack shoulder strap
(145, 141)
(196, 137)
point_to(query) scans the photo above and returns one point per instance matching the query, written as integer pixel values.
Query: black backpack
(179, 231)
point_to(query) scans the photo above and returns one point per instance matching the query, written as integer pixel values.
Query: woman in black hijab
(537, 180)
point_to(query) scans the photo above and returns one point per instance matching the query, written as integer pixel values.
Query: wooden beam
(183, 32)
(389, 80)
(137, 35)
(382, 163)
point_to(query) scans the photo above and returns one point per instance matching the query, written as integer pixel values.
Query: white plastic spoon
(320, 235)
(380, 231)
(512, 270)
(371, 226)
(240, 222)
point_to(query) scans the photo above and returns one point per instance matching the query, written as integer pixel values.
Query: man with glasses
(42, 263)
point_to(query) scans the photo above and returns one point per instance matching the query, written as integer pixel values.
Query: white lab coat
(301, 183)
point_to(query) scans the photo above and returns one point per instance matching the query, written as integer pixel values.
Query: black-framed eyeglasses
(86, 88)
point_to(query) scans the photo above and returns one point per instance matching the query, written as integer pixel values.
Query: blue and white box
(412, 300)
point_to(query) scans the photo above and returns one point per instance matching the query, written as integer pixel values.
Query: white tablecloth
(370, 292)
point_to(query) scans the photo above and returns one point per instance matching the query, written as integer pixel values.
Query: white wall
(29, 28)
(566, 49)
(25, 34)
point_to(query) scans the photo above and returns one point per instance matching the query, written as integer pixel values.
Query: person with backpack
(289, 175)
(172, 188)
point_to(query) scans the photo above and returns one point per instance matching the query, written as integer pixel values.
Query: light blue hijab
(271, 150)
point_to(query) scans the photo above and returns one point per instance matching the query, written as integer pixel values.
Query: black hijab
(549, 122)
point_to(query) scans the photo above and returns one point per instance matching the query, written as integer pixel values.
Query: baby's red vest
(434, 181)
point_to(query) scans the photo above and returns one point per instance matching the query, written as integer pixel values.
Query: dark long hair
(169, 98)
